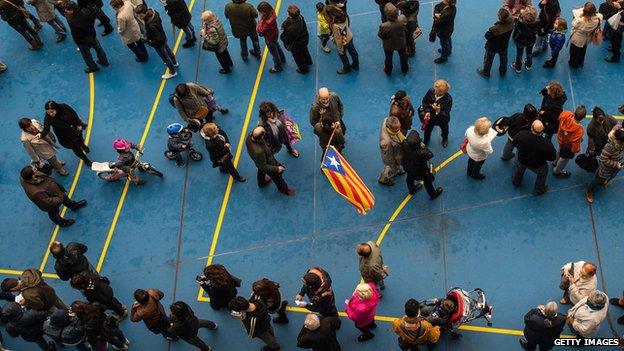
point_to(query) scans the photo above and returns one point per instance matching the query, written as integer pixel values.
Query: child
(126, 158)
(180, 139)
(557, 39)
(323, 26)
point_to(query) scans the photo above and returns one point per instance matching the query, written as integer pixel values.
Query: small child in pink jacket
(361, 309)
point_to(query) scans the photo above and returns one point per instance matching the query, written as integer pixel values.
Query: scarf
(398, 134)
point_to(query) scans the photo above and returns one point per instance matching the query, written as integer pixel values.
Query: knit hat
(11, 312)
(60, 318)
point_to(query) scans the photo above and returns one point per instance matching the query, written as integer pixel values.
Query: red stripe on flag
(357, 181)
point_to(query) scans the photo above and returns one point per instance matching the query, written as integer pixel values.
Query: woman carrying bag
(585, 29)
(40, 149)
(216, 40)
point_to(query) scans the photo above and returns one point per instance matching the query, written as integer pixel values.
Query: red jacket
(267, 27)
(570, 133)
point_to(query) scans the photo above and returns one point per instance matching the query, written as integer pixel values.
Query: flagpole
(328, 145)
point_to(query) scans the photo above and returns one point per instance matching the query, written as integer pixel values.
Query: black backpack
(586, 162)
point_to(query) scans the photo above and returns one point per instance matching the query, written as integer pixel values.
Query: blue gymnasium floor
(478, 234)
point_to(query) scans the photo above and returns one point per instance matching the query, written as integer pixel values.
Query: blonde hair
(482, 126)
(364, 291)
(207, 16)
(442, 86)
(529, 14)
(210, 129)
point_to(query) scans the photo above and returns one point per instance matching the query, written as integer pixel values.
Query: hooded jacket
(587, 320)
(610, 157)
(272, 299)
(185, 328)
(393, 32)
(257, 322)
(179, 13)
(552, 108)
(321, 339)
(242, 18)
(416, 156)
(64, 329)
(71, 261)
(570, 134)
(445, 24)
(538, 333)
(154, 31)
(411, 332)
(362, 312)
(322, 299)
(598, 134)
(37, 294)
(295, 34)
(25, 323)
(497, 37)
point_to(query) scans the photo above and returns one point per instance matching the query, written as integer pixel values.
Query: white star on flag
(333, 162)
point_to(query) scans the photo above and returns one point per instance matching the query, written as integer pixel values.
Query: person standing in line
(393, 35)
(273, 122)
(371, 265)
(549, 11)
(82, 25)
(41, 150)
(533, 152)
(45, 11)
(67, 127)
(553, 99)
(26, 323)
(409, 9)
(70, 259)
(343, 38)
(181, 18)
(317, 286)
(324, 32)
(401, 107)
(416, 158)
(542, 325)
(295, 37)
(11, 13)
(94, 7)
(48, 195)
(516, 123)
(556, 41)
(215, 39)
(319, 334)
(443, 25)
(361, 309)
(196, 104)
(97, 289)
(219, 284)
(148, 308)
(615, 37)
(436, 110)
(256, 320)
(585, 317)
(479, 146)
(413, 330)
(390, 140)
(156, 38)
(267, 28)
(268, 167)
(524, 36)
(497, 43)
(328, 105)
(128, 28)
(569, 137)
(65, 330)
(268, 292)
(609, 163)
(598, 130)
(242, 17)
(218, 146)
(185, 325)
(101, 329)
(35, 292)
(584, 26)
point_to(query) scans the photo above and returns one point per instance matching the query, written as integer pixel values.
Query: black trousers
(277, 179)
(488, 59)
(55, 214)
(427, 181)
(228, 167)
(78, 147)
(444, 127)
(366, 330)
(577, 56)
(474, 167)
(616, 43)
(302, 58)
(139, 50)
(196, 341)
(224, 60)
(402, 58)
(104, 19)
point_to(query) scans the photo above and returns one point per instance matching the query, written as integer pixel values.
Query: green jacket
(242, 18)
(262, 156)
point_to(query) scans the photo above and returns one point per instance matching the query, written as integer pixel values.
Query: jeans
(189, 32)
(541, 172)
(196, 341)
(474, 167)
(225, 60)
(24, 29)
(528, 50)
(167, 56)
(402, 58)
(488, 59)
(254, 42)
(269, 339)
(276, 53)
(139, 50)
(277, 179)
(55, 214)
(508, 150)
(350, 48)
(560, 162)
(577, 56)
(85, 51)
(444, 127)
(447, 46)
(59, 27)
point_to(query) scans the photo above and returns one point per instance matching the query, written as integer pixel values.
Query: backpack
(586, 162)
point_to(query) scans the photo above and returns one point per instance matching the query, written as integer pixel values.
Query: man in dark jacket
(242, 18)
(148, 308)
(156, 38)
(185, 325)
(443, 25)
(98, 289)
(268, 167)
(598, 131)
(48, 195)
(94, 7)
(181, 18)
(329, 105)
(393, 34)
(319, 334)
(382, 7)
(549, 11)
(533, 152)
(10, 13)
(35, 293)
(497, 43)
(82, 25)
(516, 123)
(256, 320)
(218, 146)
(317, 286)
(542, 325)
(70, 260)
(295, 37)
(416, 158)
(65, 330)
(28, 324)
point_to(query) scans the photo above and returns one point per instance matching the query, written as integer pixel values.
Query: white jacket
(583, 287)
(479, 147)
(587, 321)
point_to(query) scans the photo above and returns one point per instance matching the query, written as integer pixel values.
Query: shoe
(33, 46)
(60, 38)
(224, 111)
(107, 32)
(548, 64)
(564, 174)
(254, 54)
(78, 204)
(62, 172)
(589, 197)
(528, 68)
(124, 315)
(444, 143)
(541, 192)
(524, 343)
(418, 187)
(515, 68)
(267, 348)
(140, 60)
(615, 301)
(479, 177)
(169, 75)
(103, 63)
(303, 71)
(355, 67)
(513, 154)
(66, 222)
(140, 182)
(176, 65)
(294, 153)
(440, 60)
(612, 59)
(537, 52)
(343, 70)
(91, 70)
(275, 70)
(86, 148)
(437, 193)
(388, 182)
(225, 71)
(365, 337)
(244, 58)
(189, 43)
(326, 49)
(482, 73)
(3, 69)
(290, 192)
(280, 320)
(216, 326)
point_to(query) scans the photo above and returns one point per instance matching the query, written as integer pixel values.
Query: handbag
(417, 33)
(43, 167)
(598, 36)
(587, 163)
(565, 283)
(292, 128)
(464, 145)
(614, 21)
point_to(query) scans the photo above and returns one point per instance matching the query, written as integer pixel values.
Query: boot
(38, 40)
(33, 45)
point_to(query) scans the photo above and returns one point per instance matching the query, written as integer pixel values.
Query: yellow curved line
(614, 116)
(78, 169)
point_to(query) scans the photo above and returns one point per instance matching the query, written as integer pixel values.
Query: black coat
(525, 33)
(216, 148)
(533, 150)
(498, 36)
(295, 34)
(446, 103)
(547, 16)
(220, 295)
(99, 291)
(517, 122)
(257, 322)
(154, 31)
(537, 333)
(71, 261)
(179, 13)
(322, 339)
(185, 328)
(445, 24)
(416, 157)
(552, 109)
(82, 26)
(28, 324)
(66, 121)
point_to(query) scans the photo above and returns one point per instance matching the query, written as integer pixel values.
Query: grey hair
(312, 321)
(597, 298)
(550, 309)
(392, 121)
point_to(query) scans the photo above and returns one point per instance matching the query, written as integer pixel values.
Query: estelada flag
(346, 182)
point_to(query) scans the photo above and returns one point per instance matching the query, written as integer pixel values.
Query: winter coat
(334, 111)
(556, 41)
(221, 294)
(267, 28)
(262, 155)
(362, 312)
(390, 145)
(242, 18)
(324, 133)
(66, 121)
(586, 320)
(409, 9)
(570, 133)
(445, 24)
(216, 147)
(195, 99)
(321, 339)
(393, 32)
(127, 25)
(537, 332)
(342, 34)
(82, 27)
(533, 150)
(446, 103)
(10, 13)
(525, 33)
(25, 323)
(272, 299)
(71, 261)
(99, 290)
(64, 329)
(552, 108)
(322, 300)
(185, 328)
(607, 10)
(404, 112)
(372, 267)
(152, 312)
(598, 134)
(154, 31)
(295, 34)
(610, 157)
(416, 157)
(43, 191)
(214, 30)
(38, 149)
(583, 287)
(45, 9)
(583, 30)
(517, 123)
(275, 138)
(257, 322)
(179, 13)
(497, 37)
(479, 146)
(415, 331)
(547, 16)
(36, 293)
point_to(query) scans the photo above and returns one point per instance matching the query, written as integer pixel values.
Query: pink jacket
(362, 312)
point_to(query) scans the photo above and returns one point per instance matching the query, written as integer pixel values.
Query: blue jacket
(557, 39)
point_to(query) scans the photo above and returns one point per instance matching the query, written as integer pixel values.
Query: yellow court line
(241, 142)
(614, 116)
(78, 169)
(19, 273)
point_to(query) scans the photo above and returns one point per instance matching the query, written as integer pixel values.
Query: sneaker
(482, 73)
(343, 70)
(326, 49)
(437, 193)
(516, 68)
(216, 326)
(66, 222)
(528, 68)
(169, 75)
(176, 65)
(275, 70)
(612, 59)
(241, 179)
(225, 71)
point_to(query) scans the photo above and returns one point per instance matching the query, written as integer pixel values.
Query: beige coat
(582, 287)
(587, 321)
(338, 40)
(45, 9)
(127, 25)
(391, 150)
(583, 30)
(38, 149)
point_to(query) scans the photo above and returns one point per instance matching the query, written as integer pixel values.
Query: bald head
(258, 132)
(537, 127)
(323, 93)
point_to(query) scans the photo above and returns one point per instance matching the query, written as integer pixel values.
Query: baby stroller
(469, 305)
